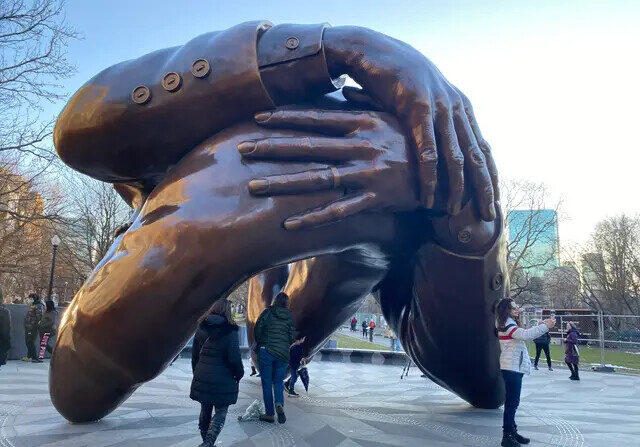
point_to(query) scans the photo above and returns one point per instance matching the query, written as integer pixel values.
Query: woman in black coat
(217, 369)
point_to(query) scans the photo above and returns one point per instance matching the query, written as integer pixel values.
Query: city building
(533, 241)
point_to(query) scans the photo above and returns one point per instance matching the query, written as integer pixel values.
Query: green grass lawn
(592, 355)
(346, 342)
(587, 355)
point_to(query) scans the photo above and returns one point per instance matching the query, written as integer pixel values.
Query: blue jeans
(272, 373)
(513, 386)
(293, 379)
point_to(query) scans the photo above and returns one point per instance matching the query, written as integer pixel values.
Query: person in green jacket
(275, 334)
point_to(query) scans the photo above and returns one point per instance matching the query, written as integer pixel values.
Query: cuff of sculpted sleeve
(292, 63)
(466, 234)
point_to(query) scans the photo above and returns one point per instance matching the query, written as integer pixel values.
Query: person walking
(47, 328)
(275, 335)
(514, 363)
(571, 353)
(372, 326)
(5, 332)
(365, 328)
(31, 327)
(295, 358)
(542, 344)
(217, 369)
(354, 321)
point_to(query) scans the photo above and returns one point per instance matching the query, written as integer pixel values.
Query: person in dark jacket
(275, 335)
(217, 369)
(295, 358)
(31, 327)
(5, 332)
(47, 328)
(571, 354)
(542, 344)
(365, 328)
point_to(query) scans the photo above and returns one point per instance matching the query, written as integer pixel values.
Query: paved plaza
(348, 405)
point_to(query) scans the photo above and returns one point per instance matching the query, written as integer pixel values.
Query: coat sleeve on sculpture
(151, 110)
(453, 277)
(293, 65)
(233, 356)
(531, 333)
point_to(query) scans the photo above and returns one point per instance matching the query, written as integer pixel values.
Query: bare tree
(563, 287)
(611, 266)
(33, 40)
(96, 210)
(532, 246)
(29, 210)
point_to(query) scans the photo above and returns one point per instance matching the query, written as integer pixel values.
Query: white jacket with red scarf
(514, 355)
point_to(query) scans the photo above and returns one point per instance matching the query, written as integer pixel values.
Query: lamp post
(55, 241)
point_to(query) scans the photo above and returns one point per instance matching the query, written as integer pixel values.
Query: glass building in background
(534, 233)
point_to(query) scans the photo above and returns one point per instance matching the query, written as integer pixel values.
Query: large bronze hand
(438, 118)
(362, 148)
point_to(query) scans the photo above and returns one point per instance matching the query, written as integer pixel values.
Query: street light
(55, 241)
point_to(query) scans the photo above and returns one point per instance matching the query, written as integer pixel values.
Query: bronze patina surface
(393, 191)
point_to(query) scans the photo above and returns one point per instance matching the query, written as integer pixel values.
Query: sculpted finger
(333, 122)
(307, 149)
(486, 150)
(483, 144)
(477, 166)
(299, 182)
(423, 136)
(454, 161)
(360, 97)
(333, 212)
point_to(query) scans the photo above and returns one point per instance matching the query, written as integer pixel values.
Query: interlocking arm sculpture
(204, 222)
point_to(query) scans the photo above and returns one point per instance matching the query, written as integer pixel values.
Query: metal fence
(606, 341)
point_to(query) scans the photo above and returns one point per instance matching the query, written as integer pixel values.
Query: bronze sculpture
(249, 198)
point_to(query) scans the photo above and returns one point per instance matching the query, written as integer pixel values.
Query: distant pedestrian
(365, 328)
(372, 326)
(354, 322)
(542, 344)
(514, 363)
(5, 332)
(393, 340)
(47, 328)
(217, 369)
(31, 327)
(274, 334)
(571, 352)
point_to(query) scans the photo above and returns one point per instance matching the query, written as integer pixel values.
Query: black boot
(211, 434)
(577, 374)
(282, 418)
(518, 437)
(203, 434)
(509, 440)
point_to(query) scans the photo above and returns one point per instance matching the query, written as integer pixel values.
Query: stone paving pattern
(348, 405)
